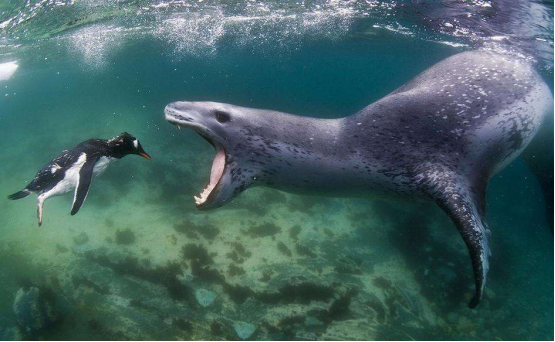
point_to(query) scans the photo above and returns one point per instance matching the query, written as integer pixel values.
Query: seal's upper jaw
(208, 198)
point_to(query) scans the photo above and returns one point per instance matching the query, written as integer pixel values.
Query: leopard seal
(440, 137)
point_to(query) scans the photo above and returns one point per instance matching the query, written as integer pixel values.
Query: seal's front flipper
(464, 212)
(465, 205)
(83, 184)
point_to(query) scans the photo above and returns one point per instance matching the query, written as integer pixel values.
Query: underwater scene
(220, 221)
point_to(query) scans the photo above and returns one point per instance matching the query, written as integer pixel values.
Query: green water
(291, 267)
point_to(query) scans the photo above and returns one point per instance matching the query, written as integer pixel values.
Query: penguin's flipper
(465, 205)
(83, 184)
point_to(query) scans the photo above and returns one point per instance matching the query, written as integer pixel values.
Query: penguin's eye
(222, 117)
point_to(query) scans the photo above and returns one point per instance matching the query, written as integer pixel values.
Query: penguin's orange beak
(145, 155)
(141, 151)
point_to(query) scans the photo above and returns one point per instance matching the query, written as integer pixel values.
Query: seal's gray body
(440, 137)
(472, 113)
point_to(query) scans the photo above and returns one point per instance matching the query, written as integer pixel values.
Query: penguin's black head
(126, 144)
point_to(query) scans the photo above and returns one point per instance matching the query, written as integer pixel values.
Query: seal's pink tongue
(217, 168)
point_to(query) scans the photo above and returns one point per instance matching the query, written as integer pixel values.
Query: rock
(125, 237)
(34, 311)
(81, 238)
(244, 330)
(205, 297)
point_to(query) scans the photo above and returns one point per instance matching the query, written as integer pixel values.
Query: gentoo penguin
(75, 167)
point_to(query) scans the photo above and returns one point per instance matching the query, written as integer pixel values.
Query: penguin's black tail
(20, 194)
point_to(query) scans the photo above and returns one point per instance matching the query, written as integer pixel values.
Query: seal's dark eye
(222, 117)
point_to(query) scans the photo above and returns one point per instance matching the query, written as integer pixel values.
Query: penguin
(74, 169)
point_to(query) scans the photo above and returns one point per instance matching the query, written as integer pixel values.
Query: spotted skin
(440, 138)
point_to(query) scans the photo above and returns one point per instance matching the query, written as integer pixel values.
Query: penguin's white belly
(70, 181)
(66, 185)
(102, 164)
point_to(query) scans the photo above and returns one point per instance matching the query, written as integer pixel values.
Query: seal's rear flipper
(465, 205)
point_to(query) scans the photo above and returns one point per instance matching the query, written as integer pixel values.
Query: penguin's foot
(40, 204)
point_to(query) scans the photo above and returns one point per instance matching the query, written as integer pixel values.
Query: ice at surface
(7, 70)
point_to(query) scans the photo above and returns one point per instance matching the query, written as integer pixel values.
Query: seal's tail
(20, 194)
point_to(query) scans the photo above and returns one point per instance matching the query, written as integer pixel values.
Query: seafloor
(141, 263)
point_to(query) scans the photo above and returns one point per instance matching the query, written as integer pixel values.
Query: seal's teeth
(203, 196)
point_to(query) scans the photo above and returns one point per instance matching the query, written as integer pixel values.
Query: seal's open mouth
(216, 172)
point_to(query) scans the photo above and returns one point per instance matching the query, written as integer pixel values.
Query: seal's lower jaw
(205, 200)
